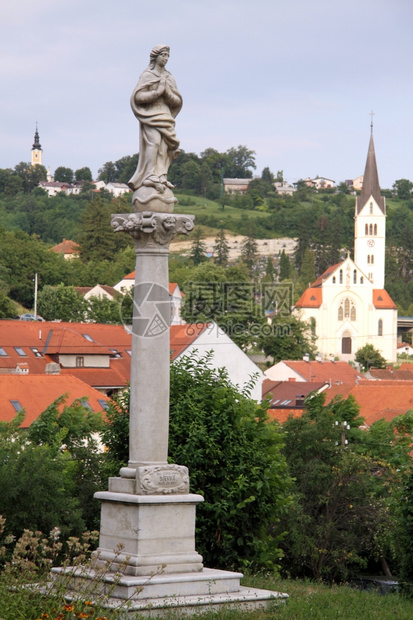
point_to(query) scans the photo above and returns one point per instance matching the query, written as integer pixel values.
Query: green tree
(198, 248)
(267, 176)
(63, 175)
(249, 251)
(285, 266)
(369, 357)
(97, 239)
(402, 188)
(108, 172)
(83, 174)
(288, 339)
(190, 175)
(221, 249)
(405, 534)
(340, 513)
(239, 162)
(62, 303)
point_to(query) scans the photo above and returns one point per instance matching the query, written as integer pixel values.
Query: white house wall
(228, 355)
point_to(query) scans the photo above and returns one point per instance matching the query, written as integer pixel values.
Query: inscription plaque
(162, 480)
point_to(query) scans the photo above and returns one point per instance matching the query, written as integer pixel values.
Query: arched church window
(361, 279)
(371, 207)
(380, 328)
(334, 279)
(347, 310)
(341, 276)
(375, 229)
(355, 276)
(371, 229)
(366, 229)
(368, 259)
(372, 259)
(346, 307)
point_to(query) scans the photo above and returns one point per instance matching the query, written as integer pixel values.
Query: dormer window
(20, 351)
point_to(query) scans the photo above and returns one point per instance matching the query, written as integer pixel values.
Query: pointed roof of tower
(36, 144)
(371, 185)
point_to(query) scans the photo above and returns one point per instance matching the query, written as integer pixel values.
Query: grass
(308, 601)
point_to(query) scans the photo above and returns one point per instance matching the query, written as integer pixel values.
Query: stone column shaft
(149, 382)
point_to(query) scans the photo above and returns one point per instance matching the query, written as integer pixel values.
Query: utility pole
(35, 296)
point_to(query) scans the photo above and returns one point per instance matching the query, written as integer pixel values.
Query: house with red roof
(287, 397)
(347, 307)
(34, 393)
(333, 373)
(100, 354)
(69, 249)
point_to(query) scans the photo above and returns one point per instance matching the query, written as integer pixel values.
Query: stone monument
(148, 512)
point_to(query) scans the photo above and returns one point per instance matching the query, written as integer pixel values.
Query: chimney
(52, 368)
(319, 357)
(291, 378)
(306, 357)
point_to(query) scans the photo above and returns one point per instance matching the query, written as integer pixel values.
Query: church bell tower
(36, 150)
(370, 223)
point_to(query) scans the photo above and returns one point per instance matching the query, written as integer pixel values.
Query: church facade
(347, 305)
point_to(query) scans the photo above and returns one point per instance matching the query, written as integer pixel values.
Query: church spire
(36, 150)
(36, 145)
(371, 185)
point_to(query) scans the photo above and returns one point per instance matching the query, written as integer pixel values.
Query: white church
(347, 305)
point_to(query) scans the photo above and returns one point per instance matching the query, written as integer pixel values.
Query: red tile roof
(311, 298)
(328, 272)
(381, 299)
(281, 391)
(36, 392)
(66, 247)
(333, 372)
(391, 374)
(50, 339)
(184, 335)
(379, 399)
(68, 341)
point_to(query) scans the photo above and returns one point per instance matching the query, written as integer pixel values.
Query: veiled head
(158, 49)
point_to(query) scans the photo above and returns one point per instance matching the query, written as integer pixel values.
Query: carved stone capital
(162, 480)
(151, 229)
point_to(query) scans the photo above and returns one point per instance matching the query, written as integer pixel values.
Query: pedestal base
(159, 595)
(145, 534)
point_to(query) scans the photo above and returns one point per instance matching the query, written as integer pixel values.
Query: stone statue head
(158, 49)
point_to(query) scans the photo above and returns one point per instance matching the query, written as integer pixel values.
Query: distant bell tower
(36, 150)
(370, 223)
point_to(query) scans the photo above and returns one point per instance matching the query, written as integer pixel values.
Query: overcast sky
(293, 80)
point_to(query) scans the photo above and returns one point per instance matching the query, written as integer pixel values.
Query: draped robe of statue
(158, 144)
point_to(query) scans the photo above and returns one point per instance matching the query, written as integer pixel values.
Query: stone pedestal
(154, 532)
